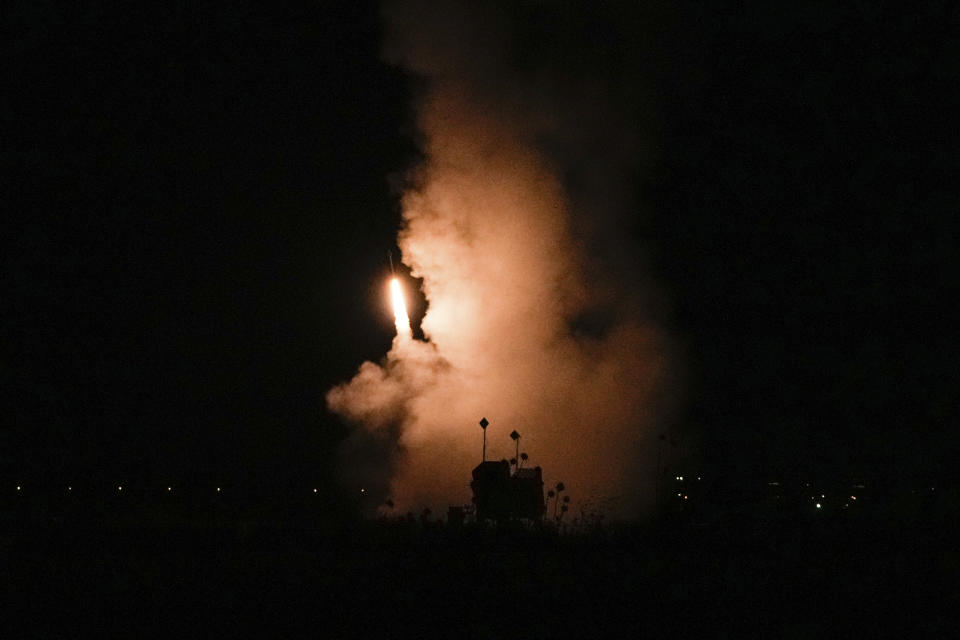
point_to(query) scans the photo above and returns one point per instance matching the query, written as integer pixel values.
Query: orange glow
(400, 318)
(493, 244)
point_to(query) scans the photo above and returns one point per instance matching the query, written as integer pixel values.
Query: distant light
(363, 490)
(169, 488)
(120, 488)
(853, 497)
(679, 494)
(685, 497)
(314, 490)
(698, 477)
(18, 487)
(818, 505)
(69, 488)
(218, 489)
(677, 477)
(681, 478)
(822, 496)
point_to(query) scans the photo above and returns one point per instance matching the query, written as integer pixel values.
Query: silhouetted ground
(129, 574)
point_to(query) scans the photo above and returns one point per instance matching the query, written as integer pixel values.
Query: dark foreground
(735, 577)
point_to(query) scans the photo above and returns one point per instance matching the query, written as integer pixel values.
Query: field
(130, 574)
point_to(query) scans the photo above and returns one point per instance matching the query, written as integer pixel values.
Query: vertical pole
(659, 473)
(483, 425)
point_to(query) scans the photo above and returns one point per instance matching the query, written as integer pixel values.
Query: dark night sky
(198, 205)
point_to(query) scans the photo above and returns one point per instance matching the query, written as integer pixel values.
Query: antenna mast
(483, 425)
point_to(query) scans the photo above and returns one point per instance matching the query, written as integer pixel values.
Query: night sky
(199, 202)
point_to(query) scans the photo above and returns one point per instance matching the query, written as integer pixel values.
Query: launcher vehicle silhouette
(501, 495)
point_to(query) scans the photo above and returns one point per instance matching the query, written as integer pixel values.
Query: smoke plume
(539, 317)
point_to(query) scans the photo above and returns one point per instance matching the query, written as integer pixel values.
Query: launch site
(506, 319)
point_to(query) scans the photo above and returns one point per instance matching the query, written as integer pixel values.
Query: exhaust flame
(400, 317)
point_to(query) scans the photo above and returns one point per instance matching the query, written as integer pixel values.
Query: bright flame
(400, 317)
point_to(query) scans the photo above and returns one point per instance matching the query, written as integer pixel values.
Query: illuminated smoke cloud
(538, 318)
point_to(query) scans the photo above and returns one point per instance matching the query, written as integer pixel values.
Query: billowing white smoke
(490, 228)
